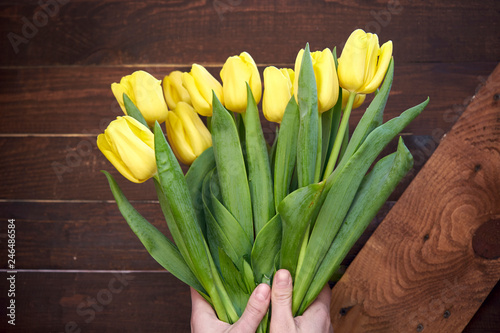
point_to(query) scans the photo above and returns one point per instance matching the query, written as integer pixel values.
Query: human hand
(315, 319)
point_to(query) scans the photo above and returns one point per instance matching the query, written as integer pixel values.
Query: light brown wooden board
(418, 272)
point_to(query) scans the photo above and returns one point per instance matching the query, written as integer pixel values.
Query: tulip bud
(278, 90)
(146, 93)
(174, 91)
(187, 134)
(363, 63)
(327, 83)
(200, 83)
(358, 100)
(236, 71)
(129, 146)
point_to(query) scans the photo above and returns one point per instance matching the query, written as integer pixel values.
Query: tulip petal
(277, 93)
(352, 61)
(178, 140)
(383, 63)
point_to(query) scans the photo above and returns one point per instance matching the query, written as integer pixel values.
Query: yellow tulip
(363, 63)
(187, 134)
(174, 91)
(278, 90)
(236, 71)
(327, 83)
(358, 100)
(129, 146)
(200, 83)
(146, 93)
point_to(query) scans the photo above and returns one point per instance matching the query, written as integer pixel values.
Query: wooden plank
(487, 318)
(78, 100)
(93, 235)
(59, 301)
(419, 270)
(128, 32)
(67, 168)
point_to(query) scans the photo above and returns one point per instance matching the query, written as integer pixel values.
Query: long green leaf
(266, 247)
(296, 211)
(309, 121)
(174, 186)
(159, 247)
(259, 169)
(372, 194)
(231, 167)
(194, 179)
(286, 151)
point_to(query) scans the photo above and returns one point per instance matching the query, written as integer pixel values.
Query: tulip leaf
(296, 211)
(259, 169)
(341, 189)
(194, 179)
(234, 281)
(372, 194)
(159, 247)
(309, 121)
(266, 246)
(286, 151)
(372, 118)
(133, 111)
(233, 239)
(231, 167)
(196, 251)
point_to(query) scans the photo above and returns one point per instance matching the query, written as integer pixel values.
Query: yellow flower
(236, 71)
(187, 134)
(129, 146)
(200, 83)
(174, 91)
(327, 83)
(362, 64)
(278, 90)
(146, 93)
(358, 100)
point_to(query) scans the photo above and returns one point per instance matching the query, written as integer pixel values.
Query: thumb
(281, 300)
(255, 310)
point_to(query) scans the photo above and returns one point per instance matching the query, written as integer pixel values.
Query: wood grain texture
(92, 32)
(100, 302)
(78, 100)
(407, 286)
(68, 168)
(94, 235)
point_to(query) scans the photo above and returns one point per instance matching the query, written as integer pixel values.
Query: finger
(256, 309)
(201, 310)
(319, 311)
(281, 300)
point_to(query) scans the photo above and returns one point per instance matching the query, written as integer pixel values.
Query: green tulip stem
(317, 173)
(340, 136)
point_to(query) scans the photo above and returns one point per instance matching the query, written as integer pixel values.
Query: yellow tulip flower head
(358, 100)
(200, 83)
(174, 91)
(187, 134)
(146, 93)
(327, 83)
(236, 71)
(362, 64)
(129, 146)
(278, 89)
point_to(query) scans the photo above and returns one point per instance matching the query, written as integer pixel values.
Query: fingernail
(262, 292)
(282, 278)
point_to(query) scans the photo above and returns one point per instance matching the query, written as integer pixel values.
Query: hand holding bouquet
(245, 210)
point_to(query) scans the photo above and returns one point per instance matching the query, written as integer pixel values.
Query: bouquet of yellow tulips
(245, 209)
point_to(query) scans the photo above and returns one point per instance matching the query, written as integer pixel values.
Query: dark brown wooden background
(80, 268)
